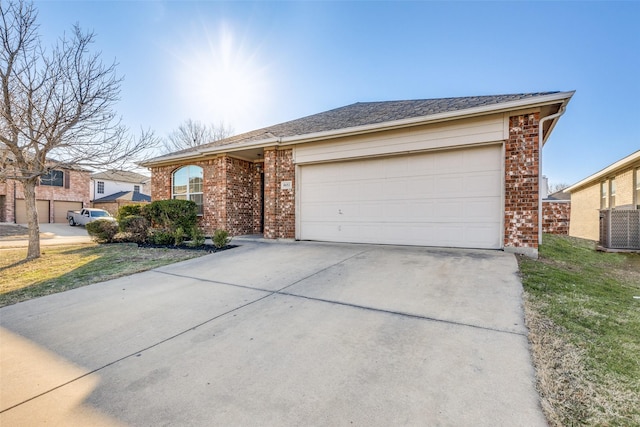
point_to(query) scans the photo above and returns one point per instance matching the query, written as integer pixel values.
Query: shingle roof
(559, 196)
(133, 196)
(363, 114)
(368, 113)
(120, 175)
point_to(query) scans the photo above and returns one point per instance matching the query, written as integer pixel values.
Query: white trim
(627, 161)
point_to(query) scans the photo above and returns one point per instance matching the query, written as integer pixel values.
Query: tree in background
(554, 188)
(56, 108)
(191, 134)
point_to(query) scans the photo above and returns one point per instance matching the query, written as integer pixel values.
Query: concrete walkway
(279, 334)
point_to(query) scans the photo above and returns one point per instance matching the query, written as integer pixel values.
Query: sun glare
(221, 79)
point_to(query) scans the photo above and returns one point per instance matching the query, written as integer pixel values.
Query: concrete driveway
(50, 235)
(279, 334)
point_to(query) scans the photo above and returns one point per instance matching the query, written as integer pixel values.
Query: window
(136, 188)
(53, 178)
(187, 185)
(612, 194)
(100, 187)
(604, 195)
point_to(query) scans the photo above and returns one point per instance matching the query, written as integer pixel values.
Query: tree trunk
(32, 218)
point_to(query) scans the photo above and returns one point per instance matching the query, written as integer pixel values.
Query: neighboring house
(59, 191)
(615, 187)
(114, 181)
(453, 172)
(113, 202)
(556, 213)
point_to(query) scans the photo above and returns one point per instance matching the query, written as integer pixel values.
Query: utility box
(620, 229)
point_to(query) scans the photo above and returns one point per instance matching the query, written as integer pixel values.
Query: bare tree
(555, 187)
(56, 109)
(194, 133)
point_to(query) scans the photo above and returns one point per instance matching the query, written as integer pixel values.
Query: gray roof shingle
(133, 196)
(120, 175)
(366, 113)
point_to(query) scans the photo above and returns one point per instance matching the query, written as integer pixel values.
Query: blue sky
(256, 64)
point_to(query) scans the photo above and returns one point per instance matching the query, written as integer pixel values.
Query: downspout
(540, 144)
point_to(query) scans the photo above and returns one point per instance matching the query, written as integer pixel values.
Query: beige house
(615, 187)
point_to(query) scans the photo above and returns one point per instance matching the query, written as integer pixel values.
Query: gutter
(541, 140)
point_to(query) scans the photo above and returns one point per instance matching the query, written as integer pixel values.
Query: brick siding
(233, 195)
(555, 217)
(280, 212)
(521, 183)
(77, 191)
(231, 190)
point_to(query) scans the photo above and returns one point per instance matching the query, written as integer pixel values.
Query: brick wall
(521, 184)
(555, 217)
(624, 188)
(77, 191)
(230, 199)
(240, 196)
(280, 212)
(585, 215)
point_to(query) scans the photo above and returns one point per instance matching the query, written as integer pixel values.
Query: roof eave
(627, 161)
(238, 146)
(540, 101)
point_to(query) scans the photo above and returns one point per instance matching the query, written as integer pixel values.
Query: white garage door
(449, 198)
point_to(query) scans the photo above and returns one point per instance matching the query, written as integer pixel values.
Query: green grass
(61, 268)
(588, 297)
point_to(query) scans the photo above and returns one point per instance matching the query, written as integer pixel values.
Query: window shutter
(67, 179)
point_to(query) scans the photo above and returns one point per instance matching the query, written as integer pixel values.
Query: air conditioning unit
(620, 229)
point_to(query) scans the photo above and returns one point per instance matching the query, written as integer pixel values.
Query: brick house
(451, 172)
(616, 187)
(59, 191)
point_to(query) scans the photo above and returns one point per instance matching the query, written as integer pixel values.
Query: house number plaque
(286, 185)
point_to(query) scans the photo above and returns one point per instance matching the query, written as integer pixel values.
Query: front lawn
(584, 328)
(66, 267)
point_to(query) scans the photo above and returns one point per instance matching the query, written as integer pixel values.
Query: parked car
(85, 216)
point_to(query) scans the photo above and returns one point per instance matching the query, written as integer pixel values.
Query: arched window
(187, 185)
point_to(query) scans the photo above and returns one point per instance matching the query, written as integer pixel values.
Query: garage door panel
(435, 199)
(60, 208)
(483, 184)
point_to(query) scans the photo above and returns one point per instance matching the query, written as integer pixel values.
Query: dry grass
(584, 329)
(67, 267)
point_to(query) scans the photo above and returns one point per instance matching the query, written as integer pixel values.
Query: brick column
(521, 185)
(279, 206)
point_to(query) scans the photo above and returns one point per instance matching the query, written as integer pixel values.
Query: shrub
(221, 238)
(171, 214)
(102, 230)
(136, 227)
(161, 237)
(178, 236)
(125, 211)
(197, 237)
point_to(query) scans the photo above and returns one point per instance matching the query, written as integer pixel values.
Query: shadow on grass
(111, 261)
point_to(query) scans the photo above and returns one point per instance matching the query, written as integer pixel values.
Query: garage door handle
(340, 211)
